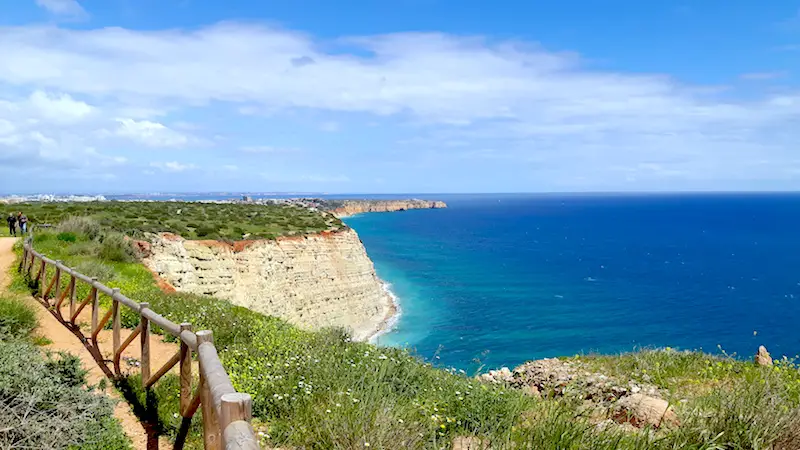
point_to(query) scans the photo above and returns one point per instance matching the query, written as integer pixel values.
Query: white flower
(328, 411)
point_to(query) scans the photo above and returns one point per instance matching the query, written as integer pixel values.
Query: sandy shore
(381, 324)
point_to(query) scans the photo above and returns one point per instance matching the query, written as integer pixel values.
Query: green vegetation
(191, 220)
(319, 390)
(16, 318)
(44, 400)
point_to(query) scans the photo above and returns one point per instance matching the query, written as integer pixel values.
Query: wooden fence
(226, 413)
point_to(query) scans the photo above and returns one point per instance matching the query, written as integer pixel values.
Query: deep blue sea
(504, 279)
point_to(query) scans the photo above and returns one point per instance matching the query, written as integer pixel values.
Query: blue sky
(398, 96)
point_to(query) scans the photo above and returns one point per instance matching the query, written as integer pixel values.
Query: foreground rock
(641, 410)
(762, 357)
(604, 397)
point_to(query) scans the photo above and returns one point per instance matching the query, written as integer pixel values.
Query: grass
(191, 220)
(44, 399)
(319, 390)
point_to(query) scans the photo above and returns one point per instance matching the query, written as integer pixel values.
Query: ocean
(495, 280)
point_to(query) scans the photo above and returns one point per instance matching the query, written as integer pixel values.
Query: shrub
(115, 247)
(67, 236)
(83, 248)
(17, 319)
(80, 225)
(205, 230)
(97, 270)
(67, 367)
(43, 409)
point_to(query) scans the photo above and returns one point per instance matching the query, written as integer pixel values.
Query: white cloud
(59, 108)
(230, 167)
(69, 8)
(152, 134)
(172, 166)
(757, 76)
(542, 108)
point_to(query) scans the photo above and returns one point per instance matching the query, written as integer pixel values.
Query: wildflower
(366, 444)
(175, 415)
(400, 420)
(328, 411)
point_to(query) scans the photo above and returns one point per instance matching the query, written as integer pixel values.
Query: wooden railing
(226, 413)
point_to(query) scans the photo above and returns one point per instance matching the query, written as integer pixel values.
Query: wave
(391, 320)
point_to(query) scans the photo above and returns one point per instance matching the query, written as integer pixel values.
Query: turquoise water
(498, 280)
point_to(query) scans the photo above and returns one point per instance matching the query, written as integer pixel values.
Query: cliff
(312, 281)
(351, 207)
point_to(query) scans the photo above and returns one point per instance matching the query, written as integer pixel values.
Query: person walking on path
(12, 224)
(22, 222)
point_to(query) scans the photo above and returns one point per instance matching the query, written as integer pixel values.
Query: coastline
(392, 316)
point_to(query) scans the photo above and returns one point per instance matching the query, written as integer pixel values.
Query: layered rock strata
(312, 281)
(352, 207)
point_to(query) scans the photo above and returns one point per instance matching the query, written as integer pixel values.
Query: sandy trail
(75, 342)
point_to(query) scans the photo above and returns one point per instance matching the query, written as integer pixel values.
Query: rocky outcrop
(312, 281)
(762, 357)
(603, 397)
(642, 410)
(352, 207)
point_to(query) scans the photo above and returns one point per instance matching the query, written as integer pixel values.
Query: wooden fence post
(116, 321)
(95, 304)
(144, 322)
(30, 265)
(24, 259)
(42, 268)
(212, 435)
(57, 288)
(186, 372)
(236, 406)
(72, 297)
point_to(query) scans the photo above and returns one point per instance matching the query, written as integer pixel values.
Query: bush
(67, 236)
(115, 247)
(67, 367)
(90, 248)
(205, 230)
(85, 226)
(17, 319)
(97, 270)
(40, 408)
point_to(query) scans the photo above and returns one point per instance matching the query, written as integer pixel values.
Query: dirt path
(65, 339)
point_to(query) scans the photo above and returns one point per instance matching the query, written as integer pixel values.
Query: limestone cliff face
(351, 207)
(312, 281)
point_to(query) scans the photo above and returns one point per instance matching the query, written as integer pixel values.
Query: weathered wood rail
(226, 413)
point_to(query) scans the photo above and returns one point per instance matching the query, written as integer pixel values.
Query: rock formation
(351, 207)
(625, 402)
(642, 410)
(762, 357)
(312, 281)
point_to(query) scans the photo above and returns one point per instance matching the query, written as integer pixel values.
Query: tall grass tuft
(17, 319)
(85, 226)
(115, 247)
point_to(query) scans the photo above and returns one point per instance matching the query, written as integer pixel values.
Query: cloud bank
(538, 119)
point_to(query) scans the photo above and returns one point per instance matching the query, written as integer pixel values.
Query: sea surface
(498, 280)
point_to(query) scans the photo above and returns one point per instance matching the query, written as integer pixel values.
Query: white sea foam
(391, 322)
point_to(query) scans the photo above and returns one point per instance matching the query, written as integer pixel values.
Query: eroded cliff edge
(351, 207)
(312, 281)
